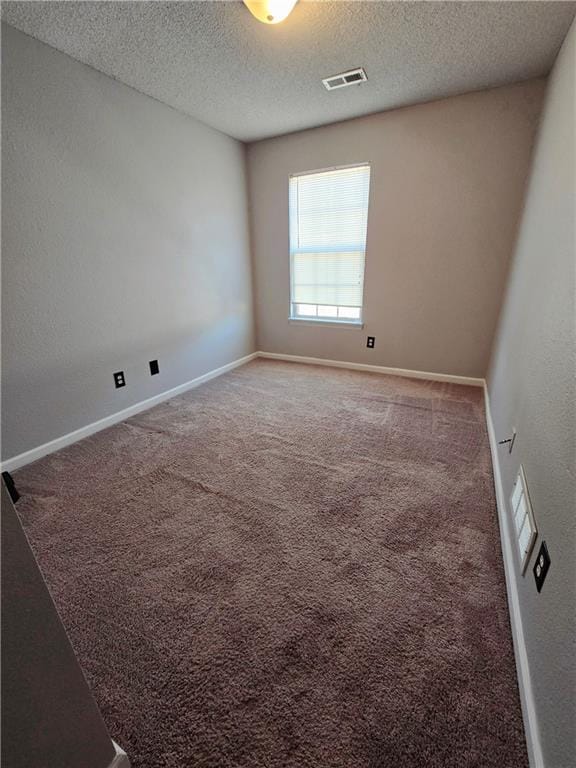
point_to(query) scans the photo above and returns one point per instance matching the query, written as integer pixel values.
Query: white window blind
(328, 219)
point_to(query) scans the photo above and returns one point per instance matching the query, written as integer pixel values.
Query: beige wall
(532, 385)
(446, 191)
(124, 239)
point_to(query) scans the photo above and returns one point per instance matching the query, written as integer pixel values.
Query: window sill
(349, 324)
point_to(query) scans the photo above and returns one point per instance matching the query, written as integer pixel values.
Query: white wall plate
(524, 525)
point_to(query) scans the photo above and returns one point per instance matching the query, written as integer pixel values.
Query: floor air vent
(352, 77)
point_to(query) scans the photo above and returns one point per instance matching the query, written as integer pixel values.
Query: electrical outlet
(119, 379)
(154, 367)
(541, 566)
(370, 341)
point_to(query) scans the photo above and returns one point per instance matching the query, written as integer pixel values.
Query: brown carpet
(289, 567)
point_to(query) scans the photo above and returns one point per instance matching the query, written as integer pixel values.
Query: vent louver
(352, 77)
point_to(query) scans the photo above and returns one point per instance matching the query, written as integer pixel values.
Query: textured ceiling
(214, 61)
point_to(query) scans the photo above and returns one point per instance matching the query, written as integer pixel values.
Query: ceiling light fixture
(270, 11)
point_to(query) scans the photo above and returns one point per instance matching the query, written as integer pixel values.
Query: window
(328, 218)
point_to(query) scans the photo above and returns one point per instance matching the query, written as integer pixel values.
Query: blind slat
(328, 219)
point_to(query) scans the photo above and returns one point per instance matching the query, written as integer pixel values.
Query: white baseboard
(79, 434)
(120, 759)
(406, 373)
(529, 715)
(15, 462)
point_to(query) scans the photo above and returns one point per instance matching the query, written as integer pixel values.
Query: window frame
(312, 320)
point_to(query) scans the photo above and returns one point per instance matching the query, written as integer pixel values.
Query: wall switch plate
(154, 367)
(119, 379)
(541, 566)
(371, 340)
(523, 517)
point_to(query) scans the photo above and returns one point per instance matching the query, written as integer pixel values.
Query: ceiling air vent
(352, 77)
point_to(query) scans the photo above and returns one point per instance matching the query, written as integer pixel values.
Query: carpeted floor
(289, 567)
